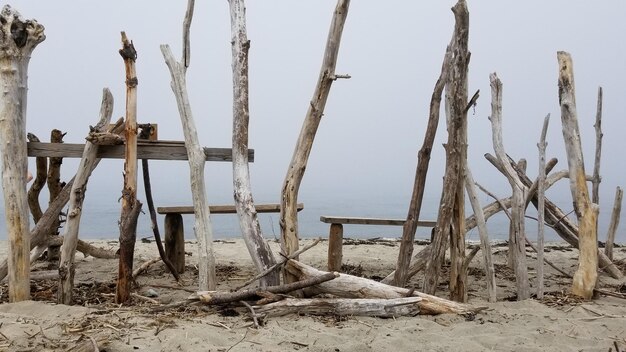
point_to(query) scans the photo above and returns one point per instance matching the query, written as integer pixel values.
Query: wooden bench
(175, 233)
(335, 236)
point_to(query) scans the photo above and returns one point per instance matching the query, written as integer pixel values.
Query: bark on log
(54, 188)
(517, 247)
(382, 308)
(595, 190)
(18, 39)
(541, 204)
(259, 250)
(587, 213)
(202, 227)
(131, 207)
(38, 183)
(77, 197)
(410, 226)
(456, 95)
(295, 172)
(349, 286)
(615, 217)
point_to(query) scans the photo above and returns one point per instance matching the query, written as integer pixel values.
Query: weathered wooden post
(131, 207)
(77, 196)
(18, 39)
(587, 213)
(202, 227)
(54, 188)
(259, 250)
(297, 166)
(541, 206)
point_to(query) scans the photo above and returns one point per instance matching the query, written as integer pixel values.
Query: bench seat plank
(223, 209)
(158, 150)
(371, 221)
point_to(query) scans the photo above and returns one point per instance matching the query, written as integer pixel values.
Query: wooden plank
(371, 221)
(223, 209)
(161, 150)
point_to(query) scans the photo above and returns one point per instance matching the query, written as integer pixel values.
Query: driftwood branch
(615, 217)
(595, 183)
(541, 204)
(202, 228)
(41, 175)
(295, 172)
(587, 212)
(382, 308)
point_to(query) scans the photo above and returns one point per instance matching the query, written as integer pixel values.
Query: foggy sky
(374, 123)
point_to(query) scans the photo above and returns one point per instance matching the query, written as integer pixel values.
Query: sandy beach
(557, 323)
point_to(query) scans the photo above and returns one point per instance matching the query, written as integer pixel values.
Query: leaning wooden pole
(259, 250)
(587, 213)
(18, 39)
(423, 156)
(130, 205)
(297, 166)
(541, 200)
(77, 196)
(202, 227)
(614, 223)
(595, 184)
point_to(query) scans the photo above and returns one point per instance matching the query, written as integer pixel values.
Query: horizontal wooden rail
(223, 209)
(371, 221)
(158, 150)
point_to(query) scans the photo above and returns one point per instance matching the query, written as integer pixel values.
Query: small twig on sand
(252, 313)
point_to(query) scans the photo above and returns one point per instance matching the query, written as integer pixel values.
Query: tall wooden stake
(595, 184)
(202, 227)
(615, 217)
(423, 156)
(587, 213)
(77, 196)
(517, 244)
(18, 39)
(297, 166)
(130, 205)
(259, 250)
(541, 190)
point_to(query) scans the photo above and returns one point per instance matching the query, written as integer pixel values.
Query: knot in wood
(128, 51)
(132, 82)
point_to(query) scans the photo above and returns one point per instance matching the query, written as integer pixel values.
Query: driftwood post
(517, 245)
(450, 220)
(54, 188)
(456, 95)
(595, 184)
(38, 183)
(297, 166)
(18, 39)
(587, 213)
(541, 191)
(259, 250)
(423, 156)
(202, 227)
(130, 205)
(77, 196)
(615, 217)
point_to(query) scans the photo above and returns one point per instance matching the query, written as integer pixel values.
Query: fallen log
(348, 286)
(382, 308)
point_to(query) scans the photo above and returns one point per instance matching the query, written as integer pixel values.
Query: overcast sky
(374, 123)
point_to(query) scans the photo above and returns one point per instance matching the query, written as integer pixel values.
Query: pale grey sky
(366, 147)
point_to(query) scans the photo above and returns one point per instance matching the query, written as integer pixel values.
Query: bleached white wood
(259, 249)
(77, 196)
(382, 308)
(615, 217)
(18, 39)
(202, 227)
(541, 200)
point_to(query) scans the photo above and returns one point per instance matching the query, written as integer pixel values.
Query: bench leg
(335, 247)
(175, 241)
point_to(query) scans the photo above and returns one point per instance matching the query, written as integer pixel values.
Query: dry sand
(558, 323)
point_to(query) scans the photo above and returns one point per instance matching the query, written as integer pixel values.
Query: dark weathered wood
(175, 241)
(54, 188)
(587, 212)
(297, 166)
(159, 150)
(415, 206)
(41, 176)
(371, 221)
(595, 184)
(222, 209)
(130, 205)
(335, 247)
